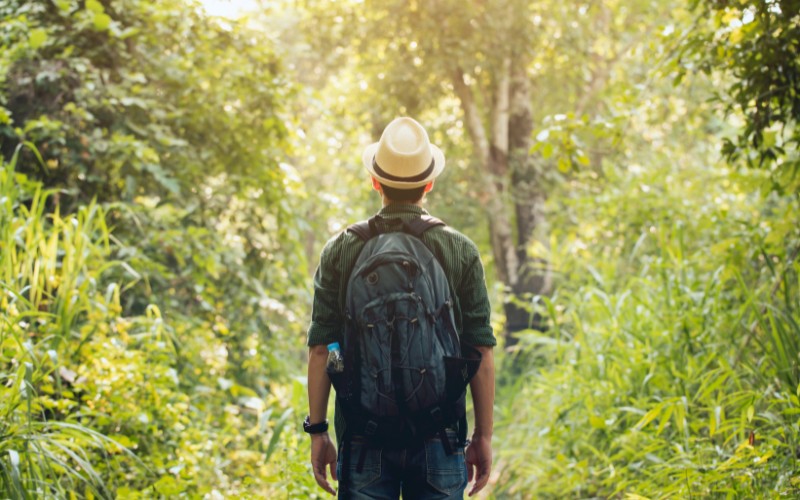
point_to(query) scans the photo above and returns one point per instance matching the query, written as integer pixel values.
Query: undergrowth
(669, 368)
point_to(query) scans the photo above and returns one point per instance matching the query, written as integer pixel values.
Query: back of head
(403, 195)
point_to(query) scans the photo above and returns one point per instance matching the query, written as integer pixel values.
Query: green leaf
(37, 38)
(597, 422)
(712, 424)
(240, 390)
(15, 474)
(770, 139)
(122, 440)
(649, 417)
(5, 116)
(102, 22)
(94, 6)
(168, 486)
(547, 150)
(276, 433)
(665, 419)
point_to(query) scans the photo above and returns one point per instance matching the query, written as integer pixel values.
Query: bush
(97, 401)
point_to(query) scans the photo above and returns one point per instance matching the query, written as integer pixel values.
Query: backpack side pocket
(460, 370)
(337, 380)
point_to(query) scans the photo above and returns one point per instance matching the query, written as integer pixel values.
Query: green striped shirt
(457, 254)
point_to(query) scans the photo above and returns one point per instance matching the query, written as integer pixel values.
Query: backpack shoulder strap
(366, 229)
(361, 229)
(418, 226)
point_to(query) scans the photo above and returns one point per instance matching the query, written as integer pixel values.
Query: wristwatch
(310, 428)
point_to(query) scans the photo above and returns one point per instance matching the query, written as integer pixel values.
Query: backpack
(405, 370)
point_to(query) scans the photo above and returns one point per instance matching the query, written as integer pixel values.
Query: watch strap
(317, 428)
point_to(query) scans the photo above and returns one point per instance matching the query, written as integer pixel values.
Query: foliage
(670, 368)
(757, 44)
(178, 325)
(132, 97)
(96, 401)
(672, 330)
(43, 271)
(168, 178)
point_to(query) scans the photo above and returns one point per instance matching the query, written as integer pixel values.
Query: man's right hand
(323, 454)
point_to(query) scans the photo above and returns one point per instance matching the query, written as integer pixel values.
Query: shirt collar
(402, 209)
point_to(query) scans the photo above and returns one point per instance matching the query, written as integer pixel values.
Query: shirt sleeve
(475, 306)
(326, 319)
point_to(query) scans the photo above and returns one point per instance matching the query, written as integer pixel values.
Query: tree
(127, 98)
(173, 120)
(755, 48)
(150, 261)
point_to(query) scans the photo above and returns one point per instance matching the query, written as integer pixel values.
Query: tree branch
(500, 115)
(472, 117)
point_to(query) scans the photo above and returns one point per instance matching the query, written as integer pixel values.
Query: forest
(171, 169)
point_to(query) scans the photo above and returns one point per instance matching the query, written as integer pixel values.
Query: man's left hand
(479, 462)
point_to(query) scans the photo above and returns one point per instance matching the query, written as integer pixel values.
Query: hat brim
(438, 166)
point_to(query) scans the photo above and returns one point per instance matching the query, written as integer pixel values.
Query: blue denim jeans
(422, 471)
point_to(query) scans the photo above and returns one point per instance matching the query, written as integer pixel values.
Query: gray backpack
(406, 372)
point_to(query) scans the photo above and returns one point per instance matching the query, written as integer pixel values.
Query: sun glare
(231, 9)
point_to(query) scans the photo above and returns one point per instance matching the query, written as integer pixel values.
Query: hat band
(416, 178)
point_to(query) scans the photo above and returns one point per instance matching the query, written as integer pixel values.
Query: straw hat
(404, 158)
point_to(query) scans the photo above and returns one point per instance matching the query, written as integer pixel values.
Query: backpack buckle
(436, 414)
(370, 428)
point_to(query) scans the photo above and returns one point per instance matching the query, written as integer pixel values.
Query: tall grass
(49, 265)
(672, 355)
(103, 393)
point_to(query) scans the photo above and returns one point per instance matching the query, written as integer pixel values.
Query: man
(403, 166)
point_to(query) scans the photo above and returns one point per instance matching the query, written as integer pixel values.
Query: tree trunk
(534, 277)
(493, 161)
(507, 150)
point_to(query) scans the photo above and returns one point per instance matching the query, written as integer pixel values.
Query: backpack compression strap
(368, 229)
